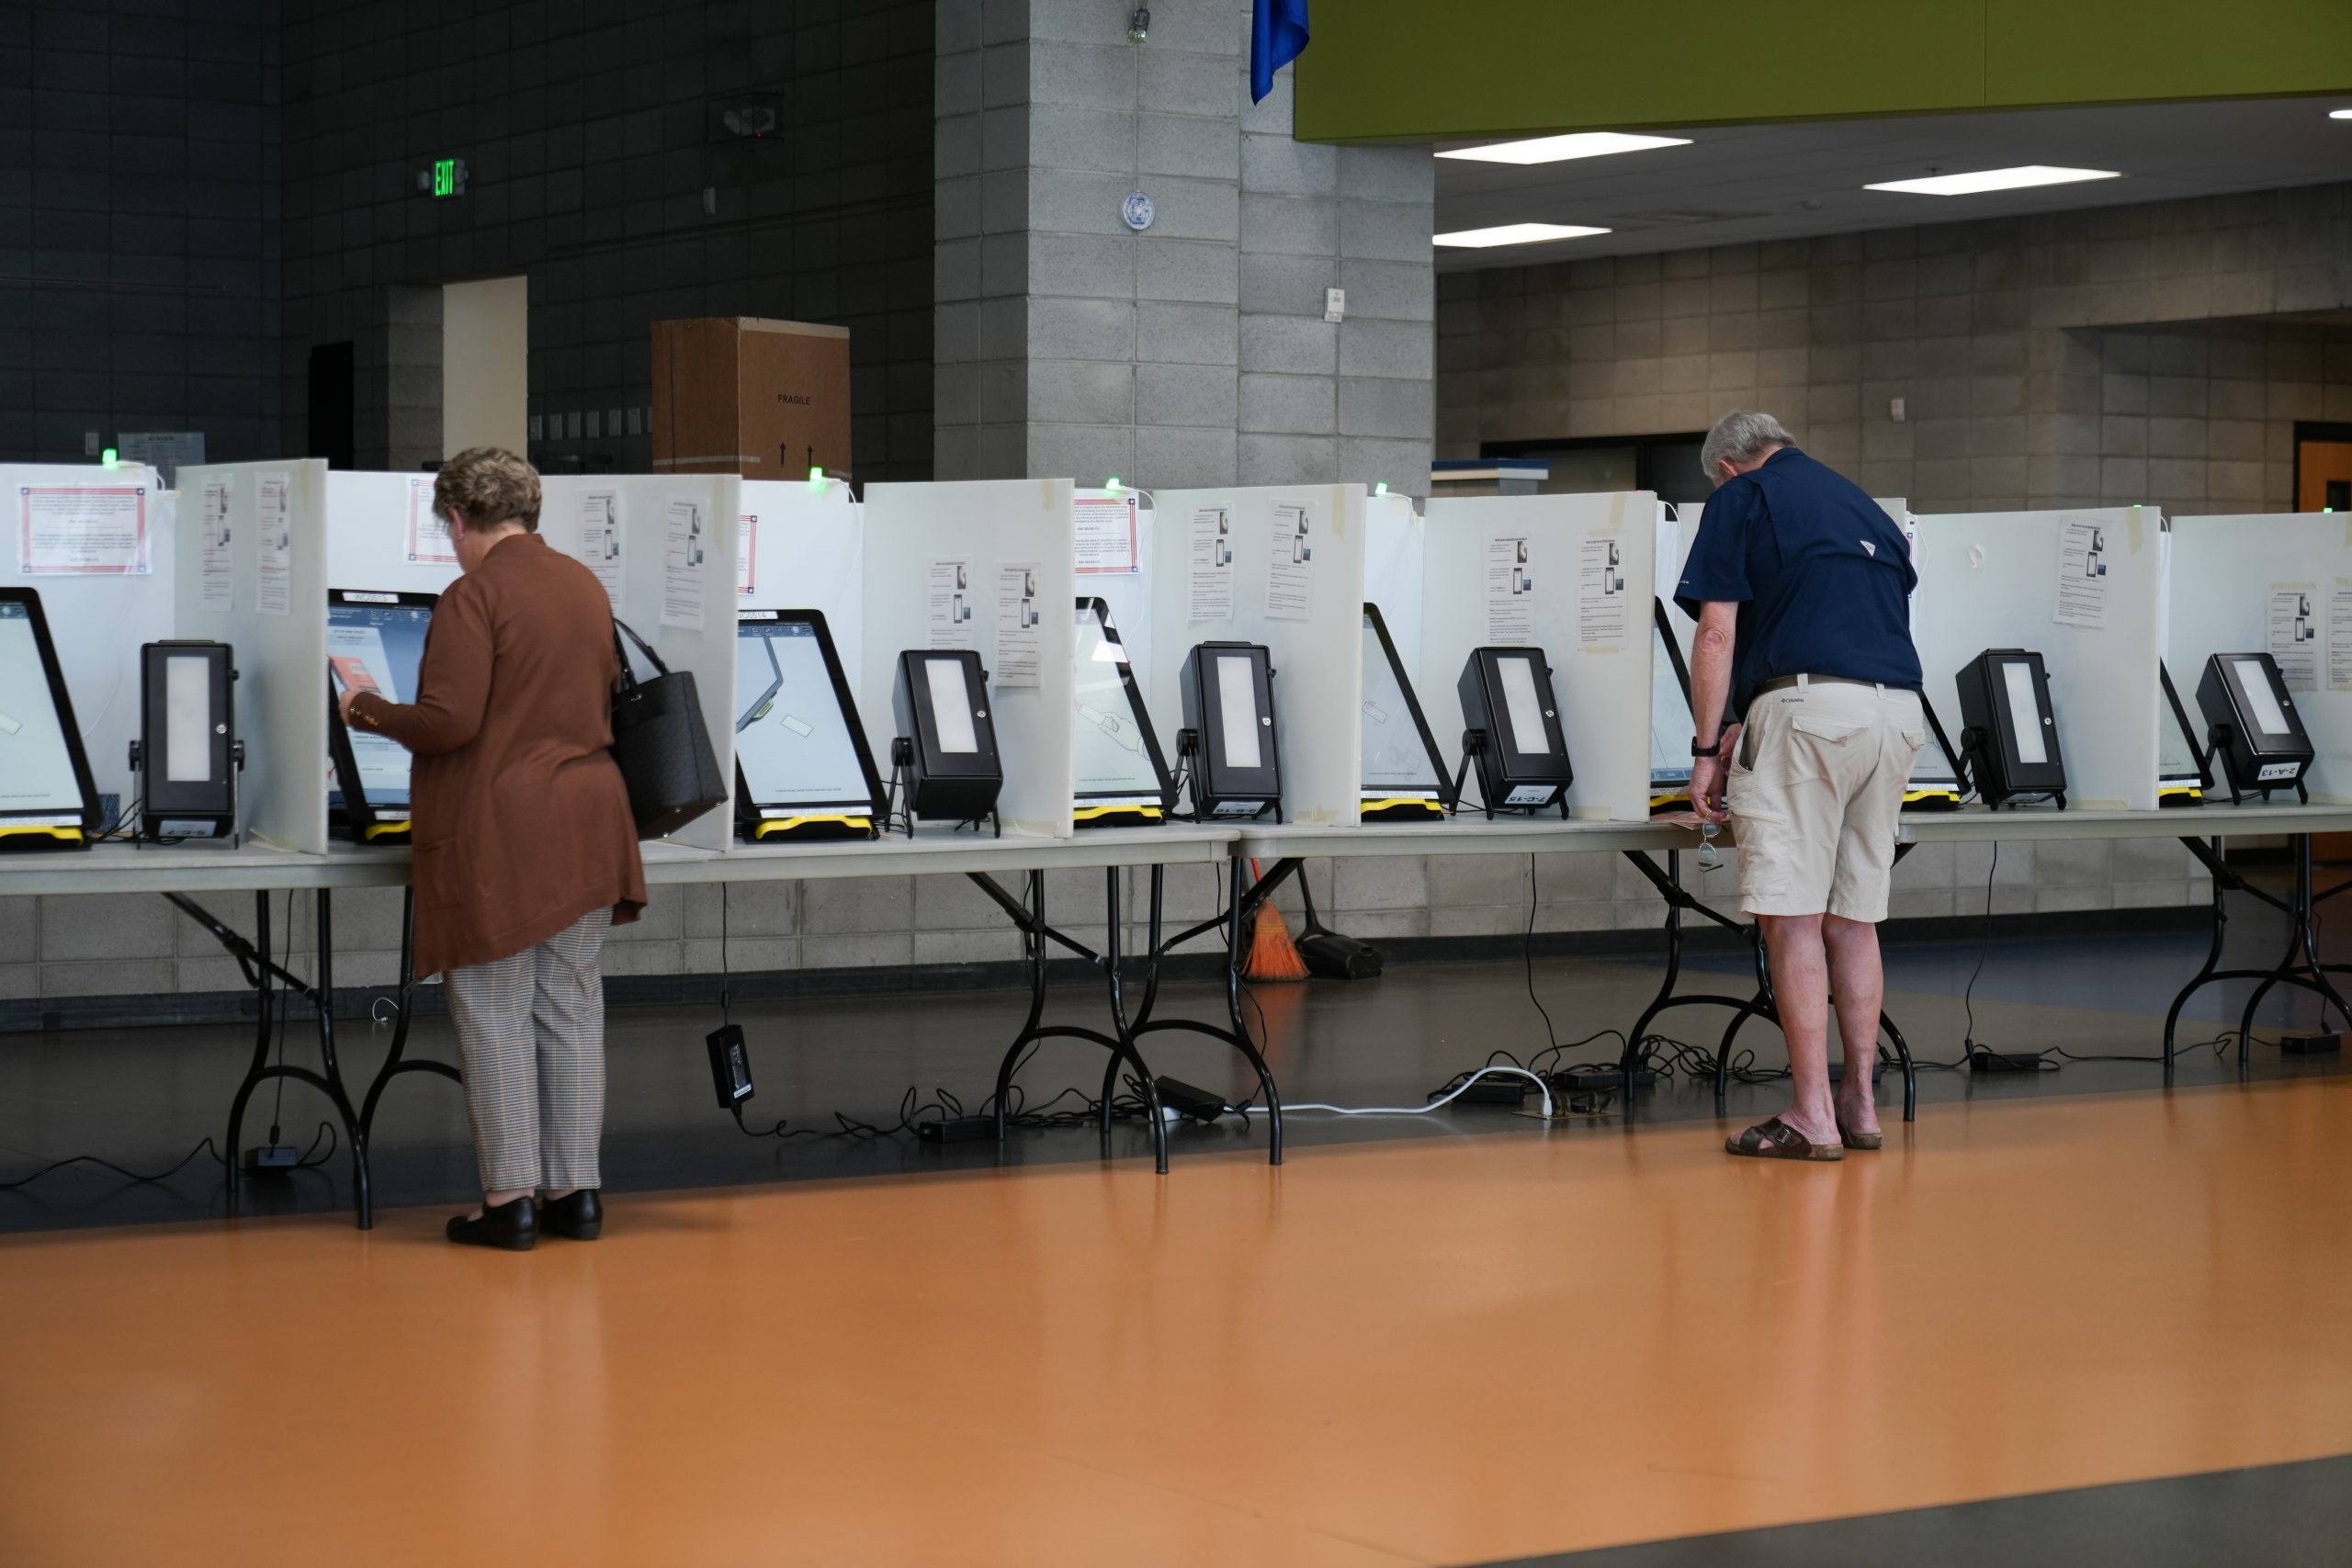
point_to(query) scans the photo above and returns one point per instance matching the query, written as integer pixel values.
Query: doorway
(332, 386)
(2323, 466)
(485, 364)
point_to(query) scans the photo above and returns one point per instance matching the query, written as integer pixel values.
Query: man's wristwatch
(1715, 750)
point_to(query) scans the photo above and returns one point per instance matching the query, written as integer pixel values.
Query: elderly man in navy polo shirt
(1801, 585)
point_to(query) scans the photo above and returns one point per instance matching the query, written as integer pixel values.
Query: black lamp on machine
(1227, 745)
(1513, 733)
(2008, 739)
(943, 762)
(2253, 725)
(187, 755)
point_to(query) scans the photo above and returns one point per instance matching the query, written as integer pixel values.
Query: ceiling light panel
(1985, 180)
(1514, 234)
(1560, 149)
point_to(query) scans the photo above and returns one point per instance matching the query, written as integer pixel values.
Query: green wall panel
(1417, 70)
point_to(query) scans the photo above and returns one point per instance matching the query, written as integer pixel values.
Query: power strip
(1500, 1090)
(1182, 1097)
(1608, 1080)
(2310, 1044)
(1982, 1060)
(270, 1158)
(956, 1130)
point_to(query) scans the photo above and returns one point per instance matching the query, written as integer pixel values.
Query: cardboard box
(741, 395)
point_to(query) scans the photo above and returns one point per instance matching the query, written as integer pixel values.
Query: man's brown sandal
(1776, 1139)
(1865, 1141)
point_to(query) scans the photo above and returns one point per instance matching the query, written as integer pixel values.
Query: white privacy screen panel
(2280, 585)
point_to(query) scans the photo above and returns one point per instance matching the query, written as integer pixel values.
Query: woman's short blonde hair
(489, 485)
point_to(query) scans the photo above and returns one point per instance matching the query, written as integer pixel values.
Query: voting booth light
(1229, 738)
(187, 756)
(48, 800)
(944, 756)
(1119, 777)
(2257, 734)
(2009, 732)
(802, 767)
(1512, 732)
(1405, 776)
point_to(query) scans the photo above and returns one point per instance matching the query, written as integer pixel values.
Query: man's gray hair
(1741, 435)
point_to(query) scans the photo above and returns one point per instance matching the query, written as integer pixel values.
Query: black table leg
(2298, 966)
(1242, 899)
(1029, 916)
(393, 1063)
(261, 970)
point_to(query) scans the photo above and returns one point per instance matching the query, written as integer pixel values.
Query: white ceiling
(1736, 183)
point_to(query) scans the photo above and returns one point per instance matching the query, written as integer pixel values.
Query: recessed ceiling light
(1996, 180)
(1513, 234)
(1560, 149)
(2340, 114)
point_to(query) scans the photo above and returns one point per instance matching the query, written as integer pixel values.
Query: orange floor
(1438, 1351)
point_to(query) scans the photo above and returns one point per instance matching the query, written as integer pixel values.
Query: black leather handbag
(661, 743)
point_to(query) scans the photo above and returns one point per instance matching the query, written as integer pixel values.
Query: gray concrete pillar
(1194, 352)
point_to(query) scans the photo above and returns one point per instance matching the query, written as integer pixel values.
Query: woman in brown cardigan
(525, 851)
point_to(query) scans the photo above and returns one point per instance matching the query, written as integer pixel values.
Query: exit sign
(448, 176)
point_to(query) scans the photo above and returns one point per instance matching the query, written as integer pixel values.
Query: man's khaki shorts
(1814, 793)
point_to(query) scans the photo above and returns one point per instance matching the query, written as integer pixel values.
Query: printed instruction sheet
(2082, 574)
(947, 602)
(2294, 633)
(1290, 575)
(1208, 560)
(1106, 535)
(81, 531)
(687, 527)
(600, 539)
(1510, 591)
(1601, 616)
(428, 537)
(273, 515)
(1018, 615)
(216, 563)
(2339, 637)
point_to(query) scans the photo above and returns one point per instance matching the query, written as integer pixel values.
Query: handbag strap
(629, 677)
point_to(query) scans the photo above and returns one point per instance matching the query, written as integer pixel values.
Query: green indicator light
(109, 457)
(1380, 489)
(1111, 484)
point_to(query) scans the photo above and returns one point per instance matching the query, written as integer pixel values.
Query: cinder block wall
(62, 947)
(2157, 354)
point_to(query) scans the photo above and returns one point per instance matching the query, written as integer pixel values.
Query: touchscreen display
(1107, 739)
(378, 648)
(36, 766)
(1394, 756)
(791, 736)
(1932, 768)
(1671, 731)
(2175, 751)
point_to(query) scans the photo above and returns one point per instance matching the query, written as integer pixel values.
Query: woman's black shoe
(577, 1217)
(514, 1227)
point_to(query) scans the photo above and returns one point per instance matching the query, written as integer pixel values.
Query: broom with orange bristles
(1274, 956)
